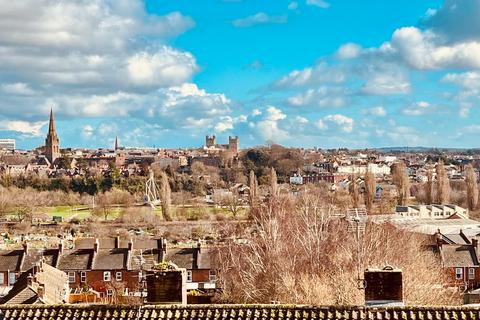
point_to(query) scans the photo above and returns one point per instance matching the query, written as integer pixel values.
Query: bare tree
(165, 196)
(103, 203)
(369, 190)
(429, 190)
(296, 253)
(273, 182)
(232, 202)
(402, 182)
(472, 187)
(353, 189)
(253, 185)
(443, 184)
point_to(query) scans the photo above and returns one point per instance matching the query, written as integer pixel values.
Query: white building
(434, 211)
(7, 144)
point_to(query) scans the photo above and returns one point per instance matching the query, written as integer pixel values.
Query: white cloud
(318, 3)
(467, 80)
(424, 50)
(322, 97)
(269, 128)
(386, 83)
(335, 122)
(259, 18)
(23, 127)
(82, 52)
(256, 112)
(87, 131)
(17, 88)
(292, 5)
(163, 68)
(419, 108)
(375, 111)
(349, 51)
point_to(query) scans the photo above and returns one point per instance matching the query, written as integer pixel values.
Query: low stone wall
(238, 312)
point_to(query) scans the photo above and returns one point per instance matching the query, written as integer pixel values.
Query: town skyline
(304, 73)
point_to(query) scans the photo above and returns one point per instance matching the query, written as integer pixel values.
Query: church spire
(51, 126)
(116, 143)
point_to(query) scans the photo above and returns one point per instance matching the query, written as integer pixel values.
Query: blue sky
(325, 73)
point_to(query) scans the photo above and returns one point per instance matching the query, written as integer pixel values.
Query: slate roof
(80, 259)
(240, 312)
(114, 259)
(454, 255)
(11, 260)
(182, 257)
(33, 256)
(145, 259)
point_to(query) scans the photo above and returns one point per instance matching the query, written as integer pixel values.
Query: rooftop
(207, 312)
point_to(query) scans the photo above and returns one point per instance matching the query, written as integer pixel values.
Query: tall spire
(51, 126)
(116, 143)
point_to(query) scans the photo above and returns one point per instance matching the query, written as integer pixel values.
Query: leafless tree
(353, 189)
(165, 196)
(273, 182)
(429, 190)
(253, 186)
(296, 252)
(443, 184)
(472, 187)
(402, 182)
(369, 190)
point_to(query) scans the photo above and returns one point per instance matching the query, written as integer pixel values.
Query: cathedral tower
(52, 146)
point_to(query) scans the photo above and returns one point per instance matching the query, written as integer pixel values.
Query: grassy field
(179, 213)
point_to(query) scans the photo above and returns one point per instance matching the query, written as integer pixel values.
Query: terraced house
(111, 266)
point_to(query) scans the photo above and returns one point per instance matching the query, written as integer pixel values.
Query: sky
(304, 73)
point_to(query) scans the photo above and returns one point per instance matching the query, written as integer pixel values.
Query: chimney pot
(117, 242)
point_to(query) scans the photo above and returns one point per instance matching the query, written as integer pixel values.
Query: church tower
(52, 147)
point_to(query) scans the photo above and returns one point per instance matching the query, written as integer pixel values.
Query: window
(107, 276)
(71, 276)
(11, 278)
(212, 275)
(189, 275)
(2, 278)
(471, 273)
(140, 276)
(109, 292)
(458, 273)
(118, 276)
(83, 276)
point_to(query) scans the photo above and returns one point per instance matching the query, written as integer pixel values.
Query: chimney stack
(199, 247)
(475, 243)
(117, 242)
(30, 280)
(96, 246)
(25, 247)
(130, 245)
(41, 291)
(60, 247)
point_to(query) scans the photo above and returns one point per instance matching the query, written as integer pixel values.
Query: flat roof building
(7, 144)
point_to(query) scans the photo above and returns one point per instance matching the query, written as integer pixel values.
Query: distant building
(232, 147)
(7, 144)
(52, 143)
(434, 211)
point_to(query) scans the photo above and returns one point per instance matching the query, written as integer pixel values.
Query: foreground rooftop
(206, 312)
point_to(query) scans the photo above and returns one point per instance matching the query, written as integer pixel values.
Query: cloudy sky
(164, 73)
